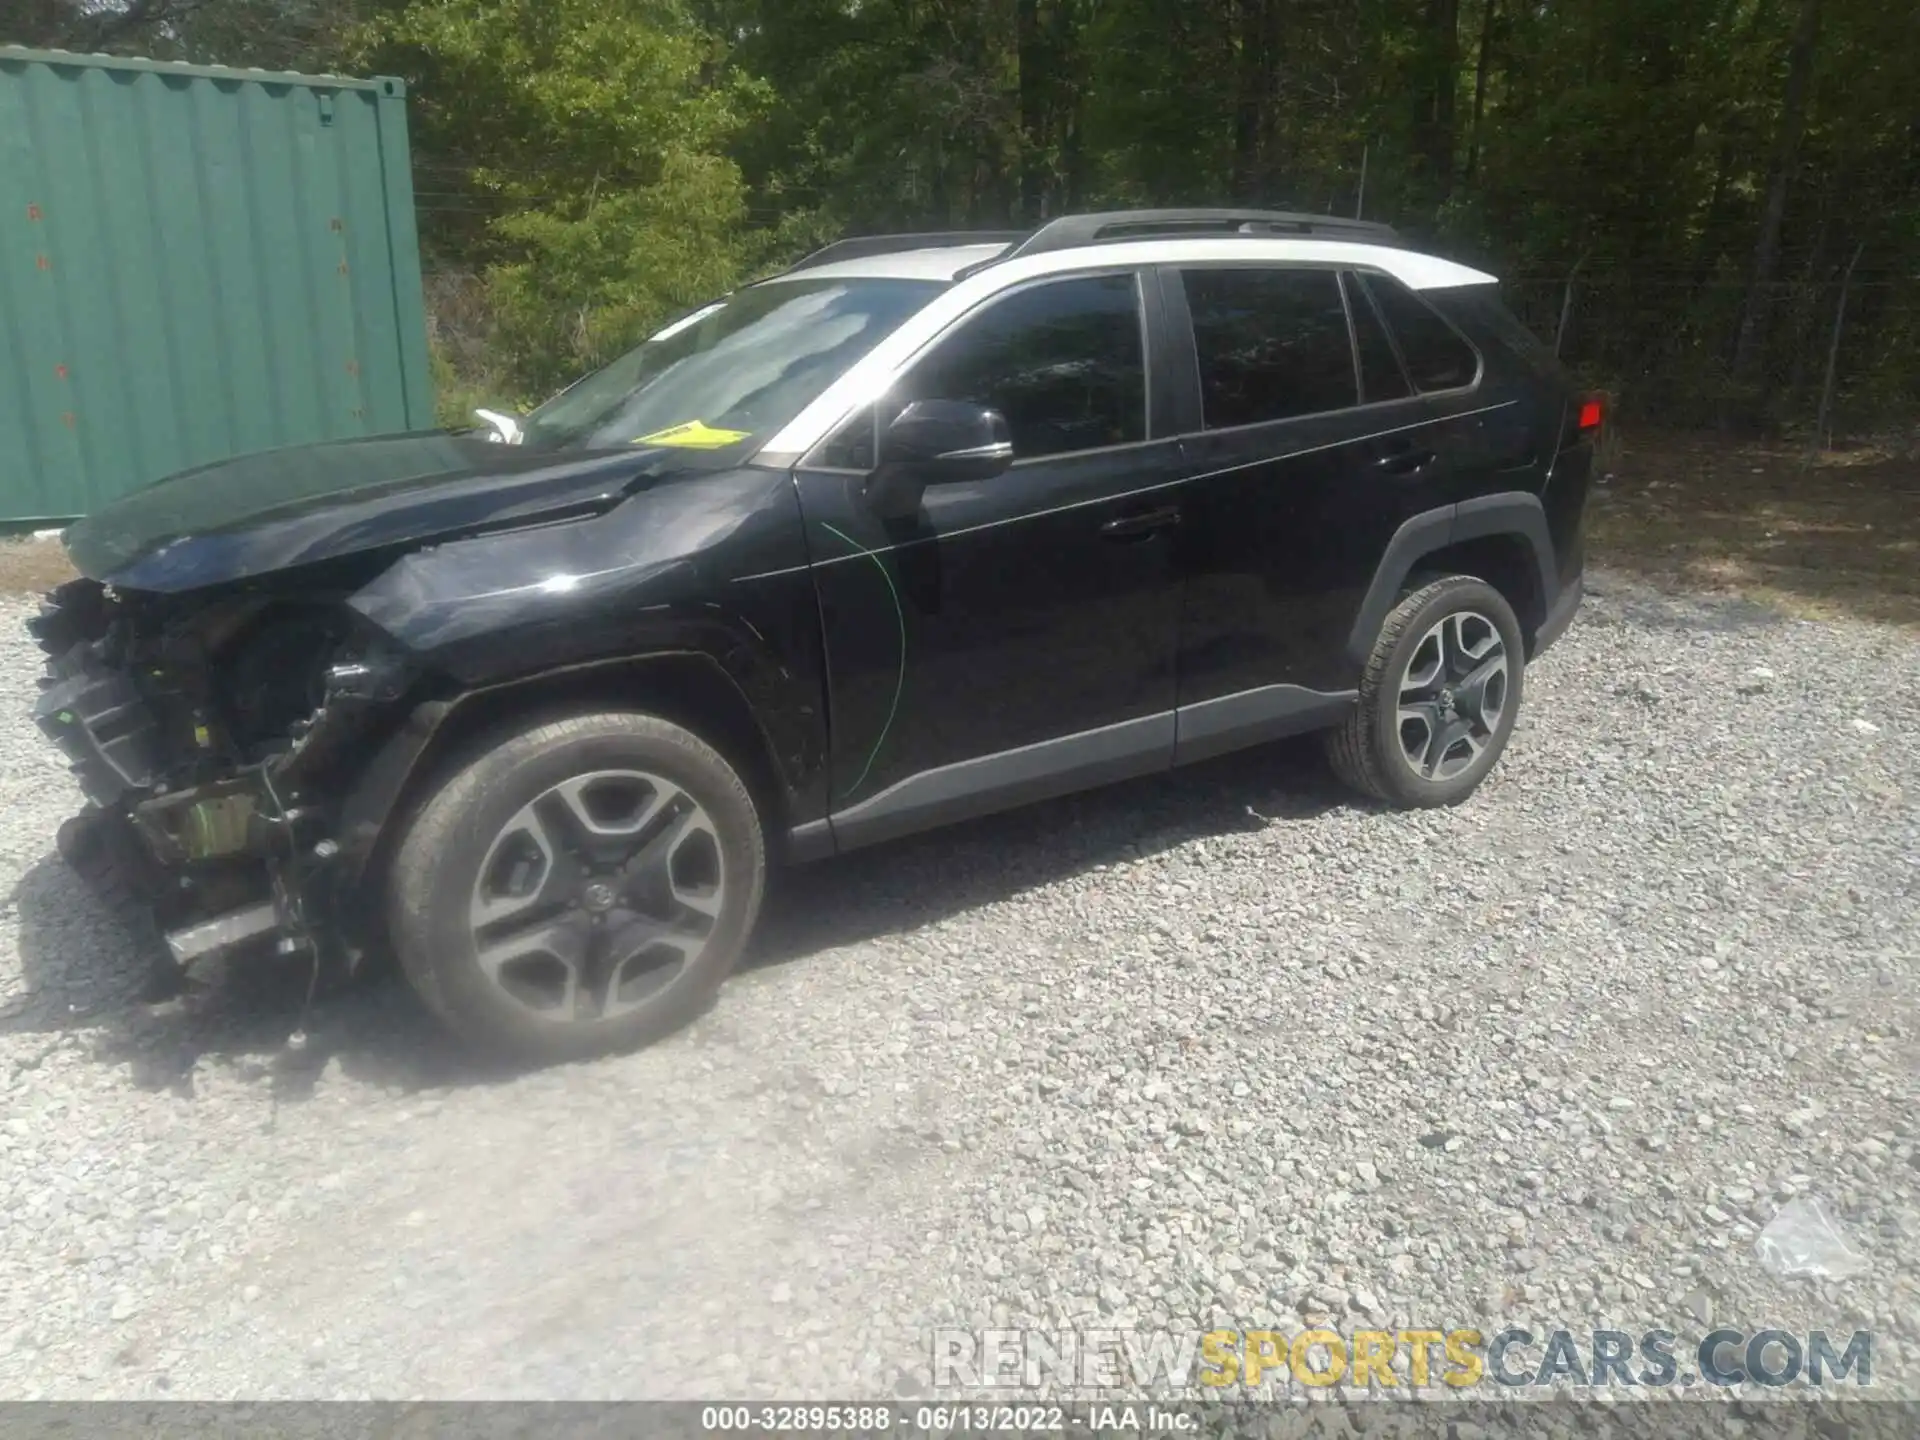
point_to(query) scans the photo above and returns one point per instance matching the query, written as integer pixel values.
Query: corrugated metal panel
(196, 263)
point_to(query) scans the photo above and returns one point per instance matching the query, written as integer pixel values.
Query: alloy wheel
(1453, 695)
(596, 894)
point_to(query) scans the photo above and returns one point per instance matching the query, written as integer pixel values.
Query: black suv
(926, 526)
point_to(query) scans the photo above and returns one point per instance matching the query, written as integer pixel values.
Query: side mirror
(937, 442)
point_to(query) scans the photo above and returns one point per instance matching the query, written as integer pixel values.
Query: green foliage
(265, 34)
(594, 138)
(601, 164)
(458, 393)
(592, 276)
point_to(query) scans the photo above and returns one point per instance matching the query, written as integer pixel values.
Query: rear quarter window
(1437, 356)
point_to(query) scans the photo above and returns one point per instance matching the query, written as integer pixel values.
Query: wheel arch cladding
(689, 688)
(1504, 533)
(1505, 561)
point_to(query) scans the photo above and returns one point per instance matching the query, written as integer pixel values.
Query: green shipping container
(196, 263)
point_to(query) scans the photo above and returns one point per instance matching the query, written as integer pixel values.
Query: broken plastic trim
(222, 932)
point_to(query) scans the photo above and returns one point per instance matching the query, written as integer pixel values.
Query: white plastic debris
(506, 428)
(1804, 1240)
(1866, 727)
(48, 534)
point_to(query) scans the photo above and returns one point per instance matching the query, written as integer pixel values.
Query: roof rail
(1070, 232)
(859, 247)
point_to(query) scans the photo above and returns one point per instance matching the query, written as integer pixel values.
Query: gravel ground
(1218, 1048)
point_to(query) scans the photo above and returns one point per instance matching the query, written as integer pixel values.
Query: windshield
(742, 366)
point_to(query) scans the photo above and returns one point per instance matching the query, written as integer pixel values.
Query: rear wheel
(1438, 698)
(580, 887)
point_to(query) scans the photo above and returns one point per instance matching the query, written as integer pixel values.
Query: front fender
(491, 606)
(712, 565)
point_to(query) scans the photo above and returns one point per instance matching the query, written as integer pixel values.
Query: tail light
(1592, 413)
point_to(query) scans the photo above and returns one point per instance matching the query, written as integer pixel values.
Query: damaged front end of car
(215, 735)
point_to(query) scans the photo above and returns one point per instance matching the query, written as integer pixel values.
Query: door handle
(1405, 462)
(1144, 522)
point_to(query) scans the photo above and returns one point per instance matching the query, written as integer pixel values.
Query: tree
(1435, 97)
(265, 34)
(1792, 127)
(594, 136)
(1709, 166)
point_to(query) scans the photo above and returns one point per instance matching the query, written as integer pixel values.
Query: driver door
(1016, 637)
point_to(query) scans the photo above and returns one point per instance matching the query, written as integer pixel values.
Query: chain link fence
(1839, 358)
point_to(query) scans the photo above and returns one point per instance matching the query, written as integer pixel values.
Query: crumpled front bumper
(101, 724)
(222, 850)
(201, 857)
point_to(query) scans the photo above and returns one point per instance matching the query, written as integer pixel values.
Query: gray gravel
(1219, 1048)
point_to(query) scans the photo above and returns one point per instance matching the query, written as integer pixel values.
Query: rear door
(1309, 447)
(1489, 441)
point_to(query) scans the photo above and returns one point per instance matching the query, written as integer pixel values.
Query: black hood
(280, 508)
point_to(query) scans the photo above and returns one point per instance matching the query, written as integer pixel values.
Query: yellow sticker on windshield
(694, 435)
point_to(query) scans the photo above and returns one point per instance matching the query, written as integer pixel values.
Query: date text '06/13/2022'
(1456, 1359)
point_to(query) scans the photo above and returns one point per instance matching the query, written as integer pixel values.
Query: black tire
(1369, 750)
(432, 883)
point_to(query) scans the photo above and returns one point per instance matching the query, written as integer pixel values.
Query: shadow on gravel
(1615, 597)
(88, 971)
(924, 879)
(85, 968)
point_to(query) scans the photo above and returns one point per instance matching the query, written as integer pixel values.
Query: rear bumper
(1562, 613)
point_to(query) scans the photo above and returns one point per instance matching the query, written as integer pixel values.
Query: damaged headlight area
(214, 737)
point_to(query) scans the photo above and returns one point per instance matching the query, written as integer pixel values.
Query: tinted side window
(1381, 377)
(1064, 362)
(1272, 344)
(1436, 356)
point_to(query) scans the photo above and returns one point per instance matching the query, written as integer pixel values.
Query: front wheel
(579, 887)
(1438, 698)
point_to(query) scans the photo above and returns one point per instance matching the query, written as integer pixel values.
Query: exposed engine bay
(214, 736)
